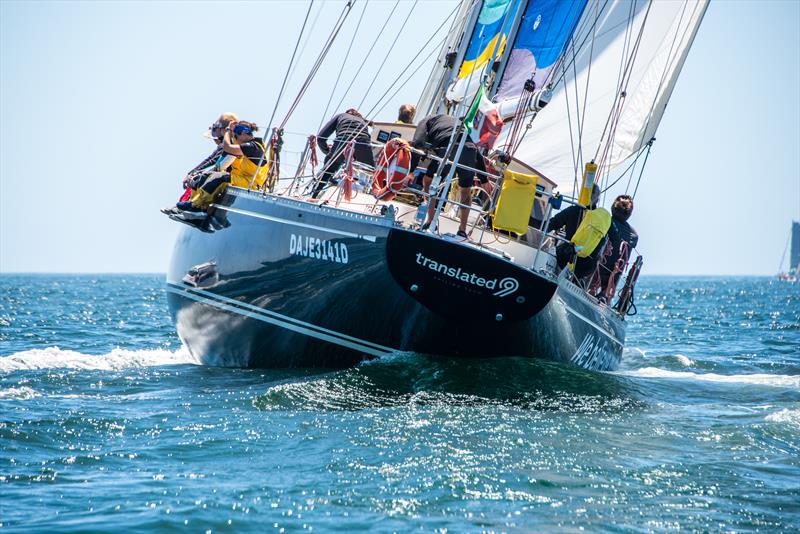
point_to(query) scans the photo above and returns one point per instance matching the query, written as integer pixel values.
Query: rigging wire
(307, 39)
(386, 57)
(315, 68)
(612, 122)
(344, 62)
(288, 71)
(667, 64)
(368, 115)
(421, 50)
(369, 52)
(644, 164)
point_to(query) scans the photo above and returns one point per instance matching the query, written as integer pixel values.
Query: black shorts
(466, 177)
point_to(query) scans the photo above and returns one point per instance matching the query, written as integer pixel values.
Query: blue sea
(108, 425)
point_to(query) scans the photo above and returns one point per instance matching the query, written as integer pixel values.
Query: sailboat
(793, 272)
(275, 278)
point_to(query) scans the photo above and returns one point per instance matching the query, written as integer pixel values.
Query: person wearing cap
(237, 164)
(215, 132)
(349, 126)
(250, 165)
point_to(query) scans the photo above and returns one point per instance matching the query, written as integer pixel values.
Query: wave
(56, 358)
(792, 381)
(20, 393)
(791, 417)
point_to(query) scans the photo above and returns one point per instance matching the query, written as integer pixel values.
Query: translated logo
(505, 287)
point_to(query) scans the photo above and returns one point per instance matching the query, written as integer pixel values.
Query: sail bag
(515, 202)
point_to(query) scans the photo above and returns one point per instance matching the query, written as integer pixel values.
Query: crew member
(348, 126)
(237, 165)
(406, 114)
(249, 150)
(569, 219)
(619, 232)
(435, 132)
(215, 132)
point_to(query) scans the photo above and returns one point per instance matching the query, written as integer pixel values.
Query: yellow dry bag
(514, 205)
(590, 232)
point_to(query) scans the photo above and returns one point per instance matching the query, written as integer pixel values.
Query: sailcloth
(487, 42)
(544, 30)
(633, 47)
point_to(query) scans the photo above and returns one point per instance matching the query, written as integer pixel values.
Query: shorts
(466, 177)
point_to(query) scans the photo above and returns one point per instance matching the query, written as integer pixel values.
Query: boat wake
(408, 379)
(56, 358)
(761, 379)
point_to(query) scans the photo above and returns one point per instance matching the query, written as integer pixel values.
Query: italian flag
(483, 121)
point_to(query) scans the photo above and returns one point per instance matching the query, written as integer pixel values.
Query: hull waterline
(276, 282)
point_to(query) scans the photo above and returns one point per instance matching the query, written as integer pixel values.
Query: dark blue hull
(274, 282)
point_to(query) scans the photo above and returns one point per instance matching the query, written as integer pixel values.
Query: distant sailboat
(794, 257)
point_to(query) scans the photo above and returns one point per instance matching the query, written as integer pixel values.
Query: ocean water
(108, 425)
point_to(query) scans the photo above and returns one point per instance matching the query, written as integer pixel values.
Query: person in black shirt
(349, 126)
(620, 231)
(434, 133)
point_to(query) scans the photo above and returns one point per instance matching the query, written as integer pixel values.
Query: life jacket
(393, 162)
(591, 231)
(242, 170)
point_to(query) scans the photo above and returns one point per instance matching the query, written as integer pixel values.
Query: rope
(291, 62)
(315, 68)
(386, 57)
(369, 52)
(280, 93)
(344, 62)
(643, 166)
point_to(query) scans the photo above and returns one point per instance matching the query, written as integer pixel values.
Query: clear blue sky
(102, 107)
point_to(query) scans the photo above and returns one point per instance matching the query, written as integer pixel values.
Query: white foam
(757, 379)
(791, 417)
(20, 393)
(684, 360)
(55, 358)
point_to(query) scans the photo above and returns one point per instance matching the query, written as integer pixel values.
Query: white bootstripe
(370, 238)
(283, 321)
(597, 326)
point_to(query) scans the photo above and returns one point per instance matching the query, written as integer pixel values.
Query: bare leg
(465, 194)
(426, 186)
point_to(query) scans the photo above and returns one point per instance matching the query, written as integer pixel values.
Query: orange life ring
(393, 161)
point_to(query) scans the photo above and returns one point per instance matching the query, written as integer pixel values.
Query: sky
(103, 106)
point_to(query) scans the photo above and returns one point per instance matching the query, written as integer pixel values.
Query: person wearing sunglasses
(250, 165)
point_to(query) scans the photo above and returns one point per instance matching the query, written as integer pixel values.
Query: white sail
(564, 135)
